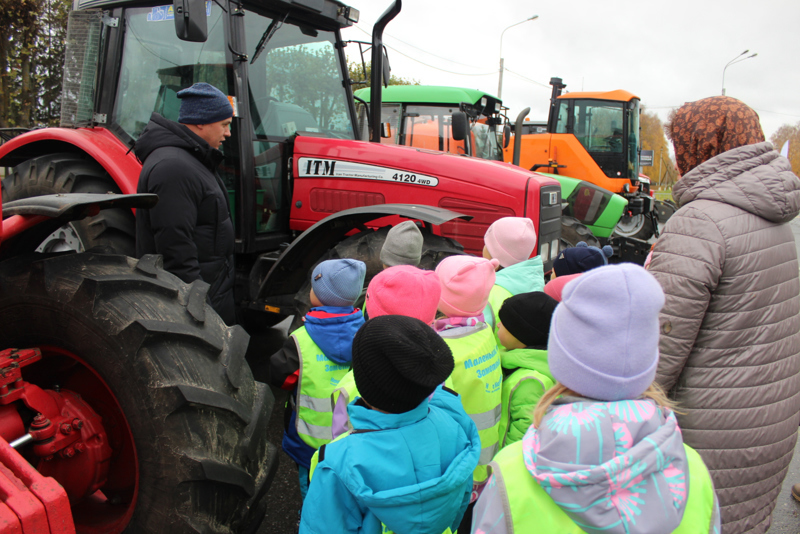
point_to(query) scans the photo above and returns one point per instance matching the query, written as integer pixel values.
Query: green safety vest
(319, 376)
(478, 378)
(530, 509)
(522, 389)
(497, 296)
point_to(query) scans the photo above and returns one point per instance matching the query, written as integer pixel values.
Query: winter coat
(599, 467)
(522, 277)
(526, 376)
(730, 348)
(191, 225)
(332, 329)
(411, 471)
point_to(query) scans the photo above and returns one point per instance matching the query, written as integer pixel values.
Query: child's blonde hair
(654, 392)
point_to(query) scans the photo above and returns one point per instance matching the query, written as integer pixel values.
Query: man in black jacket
(191, 224)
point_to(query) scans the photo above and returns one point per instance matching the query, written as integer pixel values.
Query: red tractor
(125, 402)
(293, 161)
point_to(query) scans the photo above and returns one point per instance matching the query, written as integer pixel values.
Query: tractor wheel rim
(629, 226)
(99, 514)
(64, 239)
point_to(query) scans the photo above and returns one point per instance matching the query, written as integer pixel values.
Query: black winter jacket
(191, 224)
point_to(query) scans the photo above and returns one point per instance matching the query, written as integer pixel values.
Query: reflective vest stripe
(313, 403)
(315, 431)
(318, 378)
(487, 453)
(487, 419)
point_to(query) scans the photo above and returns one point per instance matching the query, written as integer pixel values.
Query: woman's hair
(654, 393)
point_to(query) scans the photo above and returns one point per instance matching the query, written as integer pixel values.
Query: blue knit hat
(203, 103)
(581, 258)
(603, 340)
(338, 282)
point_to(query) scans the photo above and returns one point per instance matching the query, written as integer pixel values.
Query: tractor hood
(334, 174)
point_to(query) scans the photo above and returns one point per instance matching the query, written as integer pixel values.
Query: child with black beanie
(407, 464)
(523, 330)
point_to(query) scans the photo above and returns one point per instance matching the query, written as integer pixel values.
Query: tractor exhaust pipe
(375, 90)
(518, 134)
(558, 85)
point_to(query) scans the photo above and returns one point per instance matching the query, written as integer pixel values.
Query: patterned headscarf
(706, 128)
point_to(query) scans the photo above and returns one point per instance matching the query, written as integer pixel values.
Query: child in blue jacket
(406, 467)
(316, 356)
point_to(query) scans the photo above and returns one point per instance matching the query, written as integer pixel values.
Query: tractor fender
(99, 144)
(290, 270)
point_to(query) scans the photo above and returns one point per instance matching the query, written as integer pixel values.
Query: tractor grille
(80, 67)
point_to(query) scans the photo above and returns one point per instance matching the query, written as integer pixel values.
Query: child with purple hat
(604, 453)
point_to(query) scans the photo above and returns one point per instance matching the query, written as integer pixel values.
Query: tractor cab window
(431, 127)
(600, 126)
(485, 141)
(156, 65)
(295, 80)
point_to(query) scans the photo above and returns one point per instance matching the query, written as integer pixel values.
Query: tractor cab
(447, 119)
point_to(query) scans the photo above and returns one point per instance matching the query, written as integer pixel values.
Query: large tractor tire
(573, 232)
(185, 419)
(74, 173)
(366, 246)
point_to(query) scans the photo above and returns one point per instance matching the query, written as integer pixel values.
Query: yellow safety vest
(532, 510)
(478, 378)
(319, 376)
(497, 296)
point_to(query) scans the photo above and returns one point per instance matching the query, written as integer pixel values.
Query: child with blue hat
(316, 356)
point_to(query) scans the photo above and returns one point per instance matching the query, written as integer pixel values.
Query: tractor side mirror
(506, 135)
(460, 125)
(386, 130)
(191, 20)
(387, 69)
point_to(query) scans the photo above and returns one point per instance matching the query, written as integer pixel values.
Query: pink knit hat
(511, 240)
(466, 282)
(404, 290)
(554, 287)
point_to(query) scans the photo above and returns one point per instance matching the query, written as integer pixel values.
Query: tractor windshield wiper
(268, 33)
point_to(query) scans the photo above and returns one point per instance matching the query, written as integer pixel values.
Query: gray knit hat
(338, 282)
(403, 245)
(203, 103)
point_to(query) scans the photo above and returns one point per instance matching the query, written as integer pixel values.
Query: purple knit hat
(603, 339)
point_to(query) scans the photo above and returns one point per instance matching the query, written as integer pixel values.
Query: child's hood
(426, 507)
(611, 465)
(527, 358)
(333, 329)
(522, 277)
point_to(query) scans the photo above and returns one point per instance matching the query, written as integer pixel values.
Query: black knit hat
(527, 317)
(398, 361)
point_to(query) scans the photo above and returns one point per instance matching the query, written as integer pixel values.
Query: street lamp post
(500, 83)
(737, 59)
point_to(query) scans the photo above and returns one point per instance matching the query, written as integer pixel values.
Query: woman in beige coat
(730, 347)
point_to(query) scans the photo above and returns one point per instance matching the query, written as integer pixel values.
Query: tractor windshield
(487, 145)
(296, 81)
(430, 127)
(608, 131)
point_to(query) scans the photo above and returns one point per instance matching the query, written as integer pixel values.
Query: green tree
(32, 36)
(362, 73)
(790, 133)
(663, 171)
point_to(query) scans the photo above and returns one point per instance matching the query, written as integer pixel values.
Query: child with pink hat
(511, 240)
(466, 282)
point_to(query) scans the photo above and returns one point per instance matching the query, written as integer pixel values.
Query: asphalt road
(284, 495)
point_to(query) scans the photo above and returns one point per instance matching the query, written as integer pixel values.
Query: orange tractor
(593, 136)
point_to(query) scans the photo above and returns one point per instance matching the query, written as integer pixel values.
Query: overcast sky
(667, 53)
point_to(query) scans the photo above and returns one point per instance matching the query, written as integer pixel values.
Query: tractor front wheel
(573, 232)
(186, 422)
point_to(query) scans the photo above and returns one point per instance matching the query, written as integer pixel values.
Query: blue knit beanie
(581, 258)
(203, 103)
(603, 341)
(338, 282)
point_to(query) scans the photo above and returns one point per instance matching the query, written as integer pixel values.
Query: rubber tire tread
(68, 172)
(573, 231)
(204, 460)
(366, 246)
